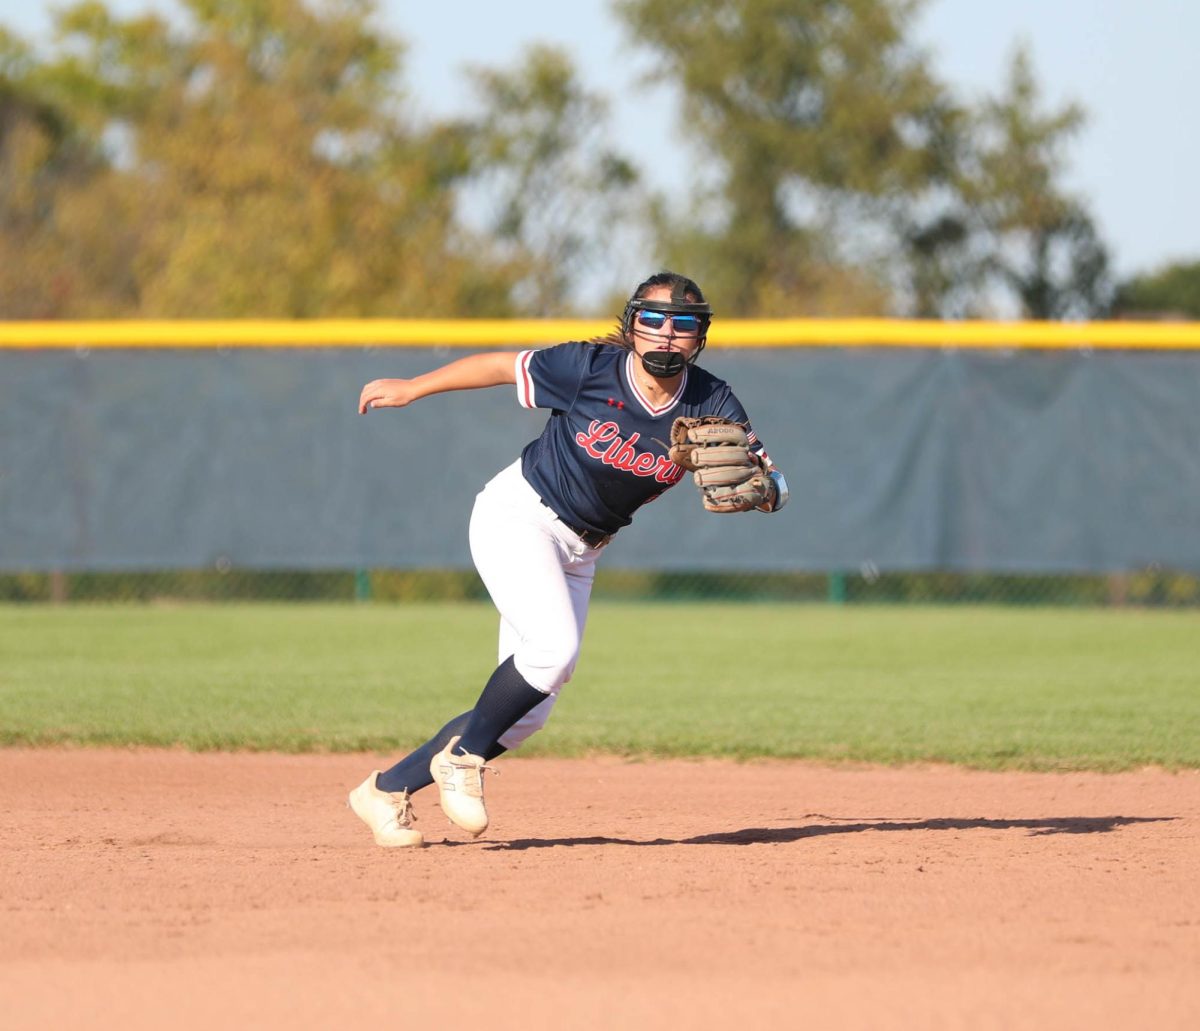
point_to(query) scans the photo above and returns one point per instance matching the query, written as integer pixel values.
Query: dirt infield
(145, 889)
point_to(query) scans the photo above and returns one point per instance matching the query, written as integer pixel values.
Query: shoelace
(404, 810)
(472, 768)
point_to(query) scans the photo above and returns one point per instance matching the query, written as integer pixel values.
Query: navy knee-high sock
(506, 697)
(412, 772)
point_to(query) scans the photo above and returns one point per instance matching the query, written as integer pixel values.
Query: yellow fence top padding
(517, 333)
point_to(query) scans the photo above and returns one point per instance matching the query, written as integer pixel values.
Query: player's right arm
(490, 369)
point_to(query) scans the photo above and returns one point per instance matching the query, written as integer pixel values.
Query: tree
(839, 176)
(1172, 291)
(49, 166)
(258, 162)
(1041, 242)
(557, 196)
(817, 121)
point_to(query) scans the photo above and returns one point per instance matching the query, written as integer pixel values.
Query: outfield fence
(1022, 463)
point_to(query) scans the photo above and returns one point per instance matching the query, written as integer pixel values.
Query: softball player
(539, 526)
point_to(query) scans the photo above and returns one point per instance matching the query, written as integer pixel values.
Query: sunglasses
(684, 325)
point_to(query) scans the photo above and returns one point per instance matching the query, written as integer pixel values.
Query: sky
(1130, 64)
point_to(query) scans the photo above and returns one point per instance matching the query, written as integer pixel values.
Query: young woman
(539, 526)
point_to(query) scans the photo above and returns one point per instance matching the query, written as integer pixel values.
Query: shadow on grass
(785, 835)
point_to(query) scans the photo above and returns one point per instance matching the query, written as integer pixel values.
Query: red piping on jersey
(633, 385)
(524, 380)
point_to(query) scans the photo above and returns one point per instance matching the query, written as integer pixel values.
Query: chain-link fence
(921, 474)
(1151, 587)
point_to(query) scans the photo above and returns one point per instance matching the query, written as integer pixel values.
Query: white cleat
(460, 783)
(390, 816)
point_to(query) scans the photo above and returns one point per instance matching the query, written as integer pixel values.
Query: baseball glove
(717, 452)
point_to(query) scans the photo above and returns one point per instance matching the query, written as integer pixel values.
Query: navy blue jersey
(603, 452)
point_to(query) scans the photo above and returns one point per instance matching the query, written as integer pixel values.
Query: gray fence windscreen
(897, 460)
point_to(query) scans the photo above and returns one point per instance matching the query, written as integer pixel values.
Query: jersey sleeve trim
(525, 389)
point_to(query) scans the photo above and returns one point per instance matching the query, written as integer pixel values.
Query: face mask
(663, 364)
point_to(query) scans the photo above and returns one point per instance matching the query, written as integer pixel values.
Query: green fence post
(362, 585)
(837, 588)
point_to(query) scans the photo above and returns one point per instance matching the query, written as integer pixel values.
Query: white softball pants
(539, 574)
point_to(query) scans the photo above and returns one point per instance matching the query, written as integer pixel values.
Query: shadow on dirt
(784, 835)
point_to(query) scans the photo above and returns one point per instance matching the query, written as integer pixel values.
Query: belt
(592, 538)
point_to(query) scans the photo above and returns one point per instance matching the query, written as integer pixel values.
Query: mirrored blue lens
(682, 324)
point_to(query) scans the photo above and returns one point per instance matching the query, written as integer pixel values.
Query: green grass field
(988, 687)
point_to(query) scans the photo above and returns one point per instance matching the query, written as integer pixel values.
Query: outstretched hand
(386, 393)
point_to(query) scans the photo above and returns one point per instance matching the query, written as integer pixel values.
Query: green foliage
(849, 180)
(1043, 244)
(1028, 688)
(1148, 587)
(1172, 291)
(556, 192)
(806, 114)
(48, 165)
(260, 157)
(258, 161)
